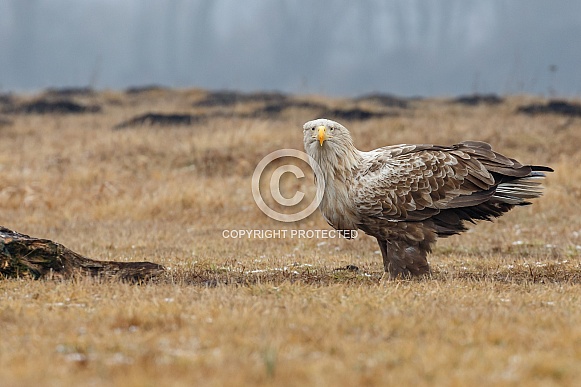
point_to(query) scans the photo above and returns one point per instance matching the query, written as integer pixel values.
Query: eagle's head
(321, 133)
(330, 144)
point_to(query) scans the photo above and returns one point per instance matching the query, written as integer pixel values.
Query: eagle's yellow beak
(322, 136)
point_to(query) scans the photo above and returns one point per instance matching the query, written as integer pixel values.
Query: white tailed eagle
(408, 195)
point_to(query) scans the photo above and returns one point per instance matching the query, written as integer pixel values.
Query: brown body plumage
(408, 195)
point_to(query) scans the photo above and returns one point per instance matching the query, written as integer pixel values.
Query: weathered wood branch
(25, 256)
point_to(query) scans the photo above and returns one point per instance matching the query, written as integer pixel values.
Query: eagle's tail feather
(519, 190)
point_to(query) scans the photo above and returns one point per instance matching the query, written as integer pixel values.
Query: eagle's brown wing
(415, 182)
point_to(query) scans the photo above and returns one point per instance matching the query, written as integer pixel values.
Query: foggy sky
(404, 47)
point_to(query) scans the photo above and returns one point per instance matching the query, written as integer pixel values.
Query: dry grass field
(503, 306)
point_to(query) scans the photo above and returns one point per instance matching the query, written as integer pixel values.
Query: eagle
(406, 196)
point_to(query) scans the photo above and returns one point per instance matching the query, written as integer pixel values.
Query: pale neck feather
(337, 161)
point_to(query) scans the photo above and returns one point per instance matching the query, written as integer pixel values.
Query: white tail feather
(519, 190)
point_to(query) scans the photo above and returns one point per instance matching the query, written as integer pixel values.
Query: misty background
(342, 48)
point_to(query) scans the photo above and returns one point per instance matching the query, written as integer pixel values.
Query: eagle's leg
(386, 263)
(404, 259)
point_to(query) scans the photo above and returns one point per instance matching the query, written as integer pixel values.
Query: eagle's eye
(332, 128)
(313, 128)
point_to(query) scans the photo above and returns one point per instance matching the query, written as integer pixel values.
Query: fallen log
(25, 256)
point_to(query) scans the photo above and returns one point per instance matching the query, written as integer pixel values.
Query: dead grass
(501, 308)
